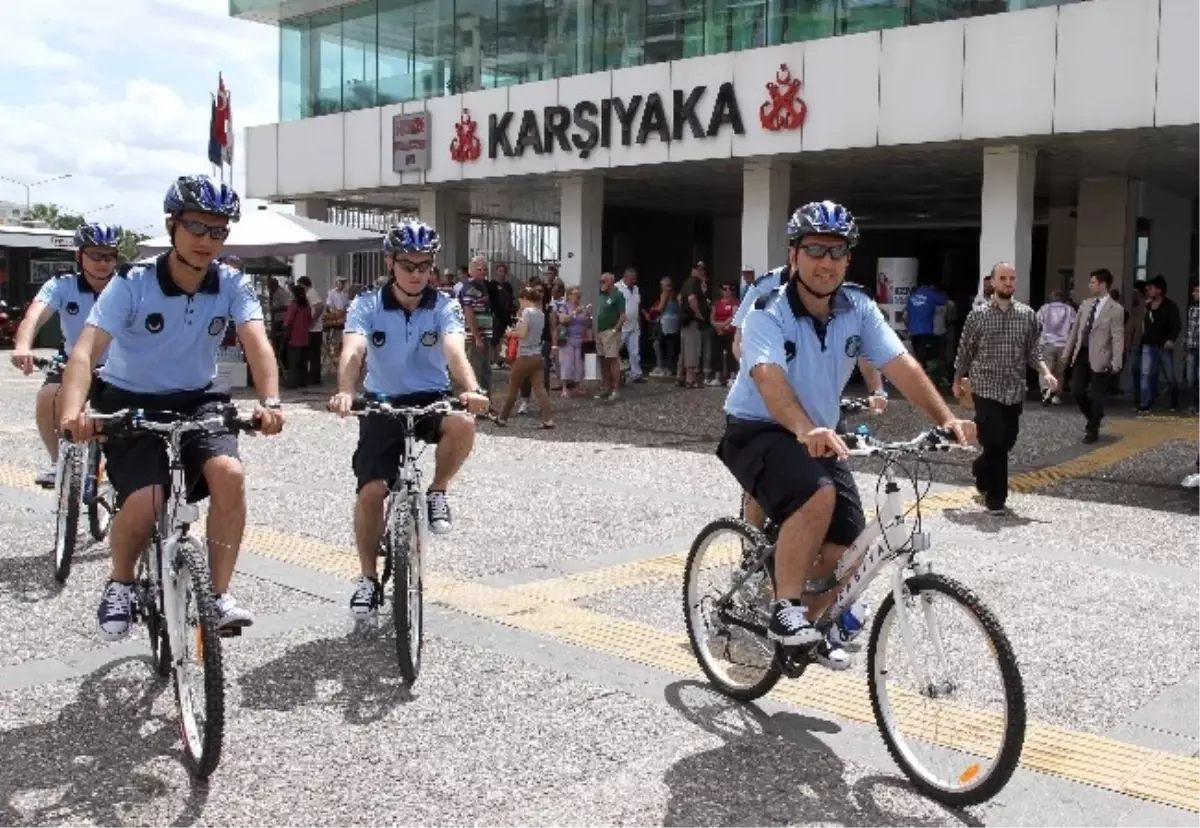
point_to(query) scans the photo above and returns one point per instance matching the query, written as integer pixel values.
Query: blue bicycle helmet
(823, 218)
(200, 194)
(412, 236)
(97, 235)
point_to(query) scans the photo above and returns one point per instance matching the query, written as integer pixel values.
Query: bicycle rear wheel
(191, 618)
(955, 750)
(729, 635)
(404, 541)
(66, 527)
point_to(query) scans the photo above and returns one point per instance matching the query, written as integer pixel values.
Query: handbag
(510, 348)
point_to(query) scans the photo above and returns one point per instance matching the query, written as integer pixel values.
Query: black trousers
(1089, 389)
(315, 341)
(998, 425)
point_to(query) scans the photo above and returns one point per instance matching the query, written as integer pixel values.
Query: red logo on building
(465, 145)
(784, 109)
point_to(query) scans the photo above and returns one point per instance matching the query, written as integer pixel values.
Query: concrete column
(1060, 249)
(1006, 212)
(1105, 232)
(318, 268)
(581, 219)
(766, 194)
(1169, 253)
(445, 211)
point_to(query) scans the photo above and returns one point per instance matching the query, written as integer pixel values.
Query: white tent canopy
(268, 233)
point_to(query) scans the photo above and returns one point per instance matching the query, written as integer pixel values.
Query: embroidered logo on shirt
(853, 346)
(378, 338)
(154, 322)
(429, 338)
(72, 308)
(217, 326)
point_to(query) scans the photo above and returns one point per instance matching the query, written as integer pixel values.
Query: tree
(54, 217)
(128, 249)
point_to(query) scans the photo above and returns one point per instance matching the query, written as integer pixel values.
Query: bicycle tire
(202, 751)
(152, 598)
(66, 524)
(99, 510)
(408, 611)
(775, 671)
(1014, 693)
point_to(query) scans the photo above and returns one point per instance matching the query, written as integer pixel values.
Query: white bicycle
(958, 752)
(173, 592)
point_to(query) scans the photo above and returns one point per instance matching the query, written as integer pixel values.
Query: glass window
(326, 48)
(568, 38)
(360, 67)
(433, 48)
(475, 45)
(674, 30)
(808, 20)
(397, 61)
(522, 45)
(734, 25)
(292, 35)
(873, 15)
(618, 34)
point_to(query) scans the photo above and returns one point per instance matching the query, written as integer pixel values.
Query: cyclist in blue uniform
(71, 297)
(414, 340)
(799, 346)
(165, 320)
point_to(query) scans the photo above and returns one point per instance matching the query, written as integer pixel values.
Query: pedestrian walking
(1095, 348)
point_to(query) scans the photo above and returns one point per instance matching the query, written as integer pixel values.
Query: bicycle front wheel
(102, 503)
(404, 541)
(198, 670)
(66, 529)
(946, 691)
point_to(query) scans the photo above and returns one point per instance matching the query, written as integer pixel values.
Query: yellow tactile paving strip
(546, 607)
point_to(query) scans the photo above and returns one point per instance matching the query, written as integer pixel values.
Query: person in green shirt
(610, 319)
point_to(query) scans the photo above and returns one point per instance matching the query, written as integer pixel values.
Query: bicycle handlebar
(853, 405)
(136, 419)
(44, 364)
(365, 405)
(935, 439)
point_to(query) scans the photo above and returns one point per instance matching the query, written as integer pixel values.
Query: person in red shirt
(296, 322)
(723, 330)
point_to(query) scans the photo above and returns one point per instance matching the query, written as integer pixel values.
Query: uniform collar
(390, 303)
(84, 285)
(840, 301)
(210, 284)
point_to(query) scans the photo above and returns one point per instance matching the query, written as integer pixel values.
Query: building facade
(1061, 136)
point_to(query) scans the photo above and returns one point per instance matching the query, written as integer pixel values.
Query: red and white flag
(224, 121)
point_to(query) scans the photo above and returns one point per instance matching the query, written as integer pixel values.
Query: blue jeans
(1192, 375)
(1154, 361)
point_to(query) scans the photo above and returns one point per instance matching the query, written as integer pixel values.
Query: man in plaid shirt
(998, 340)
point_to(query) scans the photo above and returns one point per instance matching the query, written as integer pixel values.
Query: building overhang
(274, 12)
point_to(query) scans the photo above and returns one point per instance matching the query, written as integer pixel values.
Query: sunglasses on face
(414, 267)
(200, 229)
(100, 257)
(819, 251)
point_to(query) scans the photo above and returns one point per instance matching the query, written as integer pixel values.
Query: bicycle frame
(408, 482)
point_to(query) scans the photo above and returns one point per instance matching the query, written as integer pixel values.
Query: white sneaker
(229, 614)
(831, 656)
(439, 512)
(115, 616)
(46, 477)
(1192, 481)
(712, 382)
(366, 598)
(522, 407)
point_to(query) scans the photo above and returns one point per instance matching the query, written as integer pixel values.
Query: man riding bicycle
(71, 297)
(165, 320)
(414, 338)
(799, 344)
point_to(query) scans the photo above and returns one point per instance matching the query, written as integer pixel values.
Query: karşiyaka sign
(631, 120)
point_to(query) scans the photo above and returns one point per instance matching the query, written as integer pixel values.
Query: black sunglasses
(100, 257)
(819, 251)
(198, 228)
(413, 267)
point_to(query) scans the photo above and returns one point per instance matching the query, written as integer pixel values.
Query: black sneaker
(115, 615)
(439, 512)
(790, 625)
(366, 598)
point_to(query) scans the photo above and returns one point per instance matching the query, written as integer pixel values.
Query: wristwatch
(272, 403)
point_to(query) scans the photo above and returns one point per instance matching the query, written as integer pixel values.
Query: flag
(214, 144)
(224, 121)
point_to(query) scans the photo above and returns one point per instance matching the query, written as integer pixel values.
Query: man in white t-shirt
(316, 331)
(631, 333)
(338, 299)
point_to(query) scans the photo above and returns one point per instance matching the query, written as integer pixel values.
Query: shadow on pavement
(357, 672)
(983, 522)
(84, 766)
(774, 770)
(29, 579)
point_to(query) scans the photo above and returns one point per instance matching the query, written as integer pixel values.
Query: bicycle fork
(902, 598)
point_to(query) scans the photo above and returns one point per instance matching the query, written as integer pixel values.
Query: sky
(118, 94)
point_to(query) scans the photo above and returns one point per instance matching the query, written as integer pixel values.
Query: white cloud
(122, 101)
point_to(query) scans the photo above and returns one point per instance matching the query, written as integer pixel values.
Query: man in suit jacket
(1095, 349)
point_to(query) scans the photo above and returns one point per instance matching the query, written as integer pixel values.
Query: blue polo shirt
(921, 309)
(72, 297)
(766, 283)
(405, 351)
(819, 358)
(165, 340)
